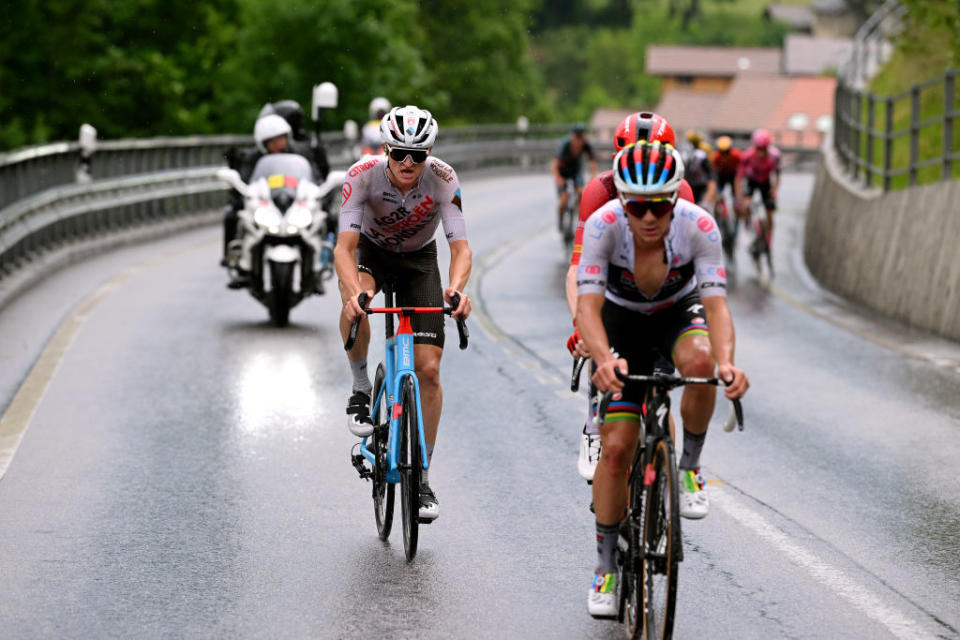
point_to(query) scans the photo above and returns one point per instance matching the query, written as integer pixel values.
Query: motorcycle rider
(370, 134)
(272, 134)
(244, 160)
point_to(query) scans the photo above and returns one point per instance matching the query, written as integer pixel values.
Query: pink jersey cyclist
(759, 167)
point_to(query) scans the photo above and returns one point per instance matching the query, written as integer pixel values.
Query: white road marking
(830, 576)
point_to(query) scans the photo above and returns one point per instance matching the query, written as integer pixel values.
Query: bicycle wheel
(661, 542)
(631, 576)
(383, 491)
(410, 464)
(569, 223)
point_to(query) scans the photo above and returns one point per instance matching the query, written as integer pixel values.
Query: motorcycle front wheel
(281, 292)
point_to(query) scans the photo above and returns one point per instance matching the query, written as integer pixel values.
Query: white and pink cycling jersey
(756, 167)
(692, 249)
(371, 205)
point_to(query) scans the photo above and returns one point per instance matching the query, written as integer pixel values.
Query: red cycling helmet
(761, 138)
(643, 125)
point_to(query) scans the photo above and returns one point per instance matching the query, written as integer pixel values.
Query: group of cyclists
(646, 287)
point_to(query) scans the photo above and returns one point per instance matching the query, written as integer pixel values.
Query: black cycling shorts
(416, 278)
(644, 339)
(764, 187)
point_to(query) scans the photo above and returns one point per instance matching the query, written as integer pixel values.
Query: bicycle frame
(398, 365)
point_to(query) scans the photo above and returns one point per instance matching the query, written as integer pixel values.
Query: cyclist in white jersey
(391, 207)
(651, 283)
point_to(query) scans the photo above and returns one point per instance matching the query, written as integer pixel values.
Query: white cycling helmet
(409, 127)
(648, 170)
(268, 127)
(379, 107)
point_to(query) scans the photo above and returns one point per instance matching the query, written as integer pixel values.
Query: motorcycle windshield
(283, 172)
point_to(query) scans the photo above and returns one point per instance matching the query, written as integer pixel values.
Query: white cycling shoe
(589, 455)
(603, 598)
(429, 506)
(694, 501)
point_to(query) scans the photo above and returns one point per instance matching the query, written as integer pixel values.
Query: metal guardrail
(128, 183)
(880, 154)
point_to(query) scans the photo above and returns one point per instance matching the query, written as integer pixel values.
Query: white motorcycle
(285, 252)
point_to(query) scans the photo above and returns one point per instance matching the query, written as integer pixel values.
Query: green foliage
(590, 66)
(178, 67)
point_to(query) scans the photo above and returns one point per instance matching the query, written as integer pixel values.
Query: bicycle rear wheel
(410, 466)
(383, 491)
(661, 543)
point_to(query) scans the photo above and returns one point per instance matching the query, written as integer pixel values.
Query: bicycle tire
(661, 542)
(569, 225)
(410, 466)
(383, 491)
(631, 568)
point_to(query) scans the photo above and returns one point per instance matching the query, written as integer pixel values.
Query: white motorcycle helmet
(409, 127)
(379, 107)
(269, 127)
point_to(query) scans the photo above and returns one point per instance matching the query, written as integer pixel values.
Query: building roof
(778, 103)
(798, 16)
(810, 55)
(687, 109)
(664, 60)
(802, 107)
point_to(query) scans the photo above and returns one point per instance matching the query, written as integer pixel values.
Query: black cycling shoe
(429, 506)
(358, 415)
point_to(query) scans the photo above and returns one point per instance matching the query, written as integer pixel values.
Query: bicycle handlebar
(666, 382)
(362, 300)
(575, 375)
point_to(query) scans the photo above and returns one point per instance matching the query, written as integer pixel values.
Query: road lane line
(20, 411)
(834, 578)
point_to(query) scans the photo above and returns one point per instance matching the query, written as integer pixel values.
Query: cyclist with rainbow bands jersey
(651, 282)
(643, 125)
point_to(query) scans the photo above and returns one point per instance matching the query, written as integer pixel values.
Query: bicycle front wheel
(661, 543)
(410, 467)
(631, 578)
(383, 491)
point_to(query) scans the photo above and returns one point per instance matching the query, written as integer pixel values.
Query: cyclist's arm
(345, 264)
(461, 262)
(722, 344)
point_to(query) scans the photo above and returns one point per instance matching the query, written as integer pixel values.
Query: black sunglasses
(400, 154)
(639, 208)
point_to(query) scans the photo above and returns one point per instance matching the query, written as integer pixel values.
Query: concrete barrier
(897, 253)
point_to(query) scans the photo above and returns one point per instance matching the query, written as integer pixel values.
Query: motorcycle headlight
(299, 216)
(267, 217)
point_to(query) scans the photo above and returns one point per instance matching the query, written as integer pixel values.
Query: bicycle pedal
(359, 463)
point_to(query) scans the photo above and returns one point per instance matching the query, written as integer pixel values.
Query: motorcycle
(284, 251)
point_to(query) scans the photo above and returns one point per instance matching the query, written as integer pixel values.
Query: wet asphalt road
(186, 473)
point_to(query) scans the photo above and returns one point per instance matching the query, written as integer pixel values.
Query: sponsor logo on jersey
(345, 194)
(593, 269)
(357, 169)
(609, 217)
(456, 200)
(705, 224)
(442, 172)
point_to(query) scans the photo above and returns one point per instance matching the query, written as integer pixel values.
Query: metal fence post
(857, 109)
(948, 87)
(871, 115)
(888, 143)
(914, 133)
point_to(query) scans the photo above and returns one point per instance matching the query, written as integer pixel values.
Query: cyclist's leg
(770, 205)
(692, 354)
(564, 197)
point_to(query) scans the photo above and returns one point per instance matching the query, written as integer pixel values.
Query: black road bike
(649, 545)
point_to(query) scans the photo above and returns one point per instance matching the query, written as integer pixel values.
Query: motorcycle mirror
(350, 130)
(231, 177)
(324, 97)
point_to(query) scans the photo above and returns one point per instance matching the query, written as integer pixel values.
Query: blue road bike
(396, 453)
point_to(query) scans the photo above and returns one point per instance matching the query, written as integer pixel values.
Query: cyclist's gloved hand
(462, 312)
(605, 379)
(577, 346)
(352, 309)
(736, 379)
